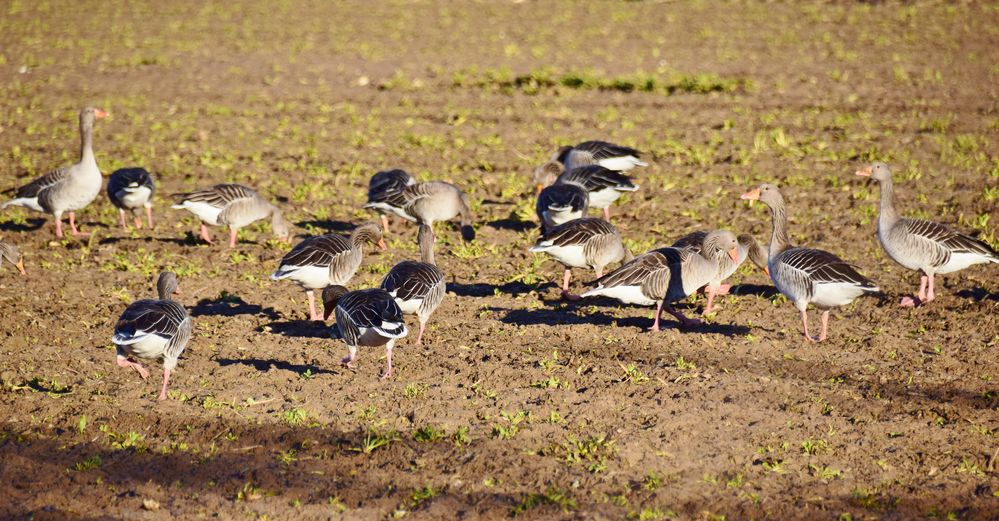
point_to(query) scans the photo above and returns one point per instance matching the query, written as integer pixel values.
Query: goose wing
(576, 231)
(410, 280)
(942, 237)
(370, 309)
(822, 267)
(36, 187)
(594, 178)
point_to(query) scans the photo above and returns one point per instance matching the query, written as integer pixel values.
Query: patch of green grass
(428, 434)
(510, 426)
(92, 462)
(552, 496)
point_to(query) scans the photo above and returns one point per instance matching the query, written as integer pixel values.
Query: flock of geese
(589, 175)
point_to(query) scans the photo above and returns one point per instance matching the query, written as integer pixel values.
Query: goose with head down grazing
(923, 245)
(367, 317)
(231, 205)
(10, 253)
(326, 260)
(608, 155)
(557, 203)
(427, 203)
(748, 248)
(68, 188)
(806, 275)
(667, 275)
(383, 190)
(417, 287)
(582, 243)
(131, 189)
(154, 329)
(603, 186)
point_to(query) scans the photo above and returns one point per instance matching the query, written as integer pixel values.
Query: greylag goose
(131, 189)
(806, 275)
(582, 243)
(923, 245)
(667, 275)
(383, 191)
(68, 188)
(10, 253)
(426, 203)
(367, 317)
(748, 248)
(608, 155)
(602, 185)
(559, 204)
(325, 260)
(152, 329)
(417, 287)
(234, 206)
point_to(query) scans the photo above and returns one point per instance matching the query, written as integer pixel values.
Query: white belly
(27, 202)
(835, 294)
(626, 294)
(206, 212)
(959, 261)
(409, 306)
(557, 218)
(135, 197)
(309, 277)
(603, 198)
(369, 337)
(569, 255)
(148, 347)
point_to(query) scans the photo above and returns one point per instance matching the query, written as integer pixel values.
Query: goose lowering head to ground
(748, 248)
(426, 203)
(582, 243)
(603, 186)
(923, 245)
(131, 189)
(326, 260)
(154, 329)
(806, 275)
(667, 275)
(234, 206)
(10, 253)
(68, 188)
(367, 317)
(417, 287)
(608, 155)
(383, 193)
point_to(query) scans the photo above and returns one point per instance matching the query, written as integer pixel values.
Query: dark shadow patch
(30, 225)
(187, 241)
(978, 294)
(227, 305)
(482, 289)
(329, 226)
(299, 329)
(549, 317)
(759, 290)
(513, 225)
(270, 364)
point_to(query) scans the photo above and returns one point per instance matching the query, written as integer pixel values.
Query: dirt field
(519, 404)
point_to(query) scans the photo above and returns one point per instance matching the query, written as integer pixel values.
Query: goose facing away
(582, 243)
(367, 317)
(558, 204)
(806, 275)
(326, 260)
(10, 253)
(426, 203)
(417, 287)
(923, 245)
(602, 185)
(231, 205)
(608, 155)
(748, 248)
(131, 189)
(667, 275)
(153, 329)
(68, 188)
(383, 191)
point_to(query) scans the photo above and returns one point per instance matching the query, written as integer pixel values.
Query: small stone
(363, 81)
(151, 505)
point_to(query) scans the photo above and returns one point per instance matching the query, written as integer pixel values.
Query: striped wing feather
(411, 280)
(594, 178)
(578, 231)
(948, 238)
(320, 250)
(822, 267)
(35, 188)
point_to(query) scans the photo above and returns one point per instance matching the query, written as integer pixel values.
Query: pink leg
(124, 362)
(723, 289)
(825, 325)
(348, 361)
(58, 223)
(232, 237)
(909, 302)
(388, 363)
(204, 234)
(149, 216)
(385, 223)
(566, 294)
(72, 225)
(711, 299)
(166, 379)
(121, 215)
(313, 314)
(607, 214)
(659, 311)
(138, 223)
(419, 337)
(684, 321)
(929, 293)
(804, 322)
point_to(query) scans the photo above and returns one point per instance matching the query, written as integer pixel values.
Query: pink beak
(752, 195)
(100, 114)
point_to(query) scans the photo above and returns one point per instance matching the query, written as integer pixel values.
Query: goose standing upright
(417, 287)
(10, 253)
(154, 328)
(234, 206)
(326, 260)
(582, 243)
(603, 186)
(667, 275)
(131, 189)
(923, 245)
(68, 188)
(806, 275)
(367, 317)
(383, 193)
(608, 155)
(748, 248)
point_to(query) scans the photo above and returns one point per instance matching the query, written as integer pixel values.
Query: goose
(922, 245)
(232, 205)
(131, 189)
(153, 328)
(426, 203)
(667, 275)
(417, 287)
(367, 317)
(325, 260)
(582, 243)
(10, 253)
(68, 188)
(558, 204)
(748, 248)
(806, 275)
(603, 186)
(608, 155)
(383, 190)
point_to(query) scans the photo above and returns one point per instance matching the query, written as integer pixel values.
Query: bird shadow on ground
(328, 226)
(228, 305)
(513, 224)
(267, 365)
(978, 294)
(753, 289)
(485, 290)
(175, 240)
(29, 225)
(550, 317)
(298, 328)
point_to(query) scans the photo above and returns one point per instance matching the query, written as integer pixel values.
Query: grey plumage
(603, 186)
(132, 189)
(10, 253)
(367, 317)
(608, 155)
(560, 203)
(417, 287)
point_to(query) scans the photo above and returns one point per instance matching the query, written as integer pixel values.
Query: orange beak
(766, 269)
(176, 291)
(100, 114)
(20, 267)
(539, 187)
(381, 245)
(865, 172)
(752, 195)
(734, 254)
